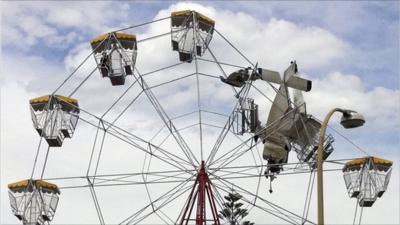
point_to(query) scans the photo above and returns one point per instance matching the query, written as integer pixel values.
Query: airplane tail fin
(289, 78)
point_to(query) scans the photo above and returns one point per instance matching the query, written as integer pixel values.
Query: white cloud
(380, 105)
(272, 43)
(26, 24)
(67, 17)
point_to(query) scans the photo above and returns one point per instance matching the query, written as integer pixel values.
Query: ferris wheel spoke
(130, 183)
(274, 206)
(112, 126)
(162, 68)
(165, 215)
(119, 98)
(145, 177)
(222, 63)
(76, 69)
(125, 109)
(158, 36)
(242, 95)
(280, 174)
(165, 198)
(162, 218)
(276, 213)
(223, 173)
(209, 75)
(221, 137)
(226, 189)
(84, 81)
(146, 146)
(221, 200)
(142, 24)
(236, 172)
(309, 193)
(164, 155)
(167, 121)
(241, 140)
(119, 180)
(133, 140)
(296, 219)
(228, 124)
(199, 104)
(169, 198)
(260, 159)
(239, 174)
(180, 129)
(243, 92)
(238, 153)
(170, 81)
(249, 61)
(218, 64)
(152, 149)
(96, 202)
(236, 49)
(154, 178)
(235, 153)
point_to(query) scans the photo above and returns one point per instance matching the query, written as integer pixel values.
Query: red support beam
(201, 190)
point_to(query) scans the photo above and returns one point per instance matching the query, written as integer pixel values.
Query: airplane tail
(289, 78)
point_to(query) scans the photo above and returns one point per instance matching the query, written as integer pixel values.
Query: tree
(232, 213)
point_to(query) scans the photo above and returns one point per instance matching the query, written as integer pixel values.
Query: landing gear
(272, 170)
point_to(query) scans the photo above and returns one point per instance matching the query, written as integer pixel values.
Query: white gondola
(191, 33)
(54, 117)
(367, 179)
(34, 202)
(115, 55)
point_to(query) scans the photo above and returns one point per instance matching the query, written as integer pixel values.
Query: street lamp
(350, 119)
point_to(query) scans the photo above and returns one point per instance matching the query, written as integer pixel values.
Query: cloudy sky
(350, 50)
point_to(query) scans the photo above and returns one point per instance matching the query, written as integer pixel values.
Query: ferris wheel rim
(193, 163)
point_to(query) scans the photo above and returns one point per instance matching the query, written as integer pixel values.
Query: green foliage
(233, 214)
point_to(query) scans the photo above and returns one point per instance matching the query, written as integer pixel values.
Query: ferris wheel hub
(202, 188)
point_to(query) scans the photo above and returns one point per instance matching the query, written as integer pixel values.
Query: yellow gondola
(115, 55)
(367, 179)
(34, 201)
(54, 117)
(191, 33)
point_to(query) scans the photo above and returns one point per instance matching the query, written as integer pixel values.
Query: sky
(350, 51)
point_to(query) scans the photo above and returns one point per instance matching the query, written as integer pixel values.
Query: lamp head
(352, 119)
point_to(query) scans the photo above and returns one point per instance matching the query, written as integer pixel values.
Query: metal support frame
(201, 189)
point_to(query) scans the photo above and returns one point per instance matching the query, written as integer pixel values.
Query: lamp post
(350, 119)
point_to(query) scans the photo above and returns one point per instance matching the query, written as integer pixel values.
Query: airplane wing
(270, 76)
(299, 83)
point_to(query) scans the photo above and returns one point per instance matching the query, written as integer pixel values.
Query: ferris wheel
(173, 141)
